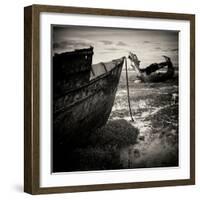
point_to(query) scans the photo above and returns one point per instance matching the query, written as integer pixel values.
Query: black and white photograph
(109, 99)
(115, 98)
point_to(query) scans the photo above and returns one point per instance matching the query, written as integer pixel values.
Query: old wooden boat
(83, 94)
(155, 72)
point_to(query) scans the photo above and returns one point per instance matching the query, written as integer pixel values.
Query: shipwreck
(83, 94)
(153, 72)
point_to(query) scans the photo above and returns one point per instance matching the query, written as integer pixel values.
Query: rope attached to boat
(128, 94)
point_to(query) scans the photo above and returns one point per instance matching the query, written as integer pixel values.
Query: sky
(113, 43)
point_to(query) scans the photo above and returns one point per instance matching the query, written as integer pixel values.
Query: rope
(128, 95)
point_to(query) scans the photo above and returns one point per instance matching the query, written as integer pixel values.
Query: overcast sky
(111, 43)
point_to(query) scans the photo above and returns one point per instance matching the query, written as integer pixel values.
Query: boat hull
(86, 108)
(152, 73)
(157, 76)
(71, 70)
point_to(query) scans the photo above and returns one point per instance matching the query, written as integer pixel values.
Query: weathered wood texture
(87, 107)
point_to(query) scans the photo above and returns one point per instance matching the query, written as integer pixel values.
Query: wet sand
(155, 113)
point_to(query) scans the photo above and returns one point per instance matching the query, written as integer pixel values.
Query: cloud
(112, 49)
(70, 44)
(120, 43)
(176, 49)
(60, 45)
(169, 50)
(106, 42)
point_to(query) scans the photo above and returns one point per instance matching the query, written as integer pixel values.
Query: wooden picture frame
(32, 93)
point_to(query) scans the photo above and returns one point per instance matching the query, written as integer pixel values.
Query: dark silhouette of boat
(152, 73)
(83, 94)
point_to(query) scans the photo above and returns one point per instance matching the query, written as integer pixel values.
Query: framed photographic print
(109, 99)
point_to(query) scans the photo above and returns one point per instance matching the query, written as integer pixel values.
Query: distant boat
(83, 94)
(153, 73)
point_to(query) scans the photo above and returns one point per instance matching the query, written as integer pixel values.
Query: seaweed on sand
(99, 150)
